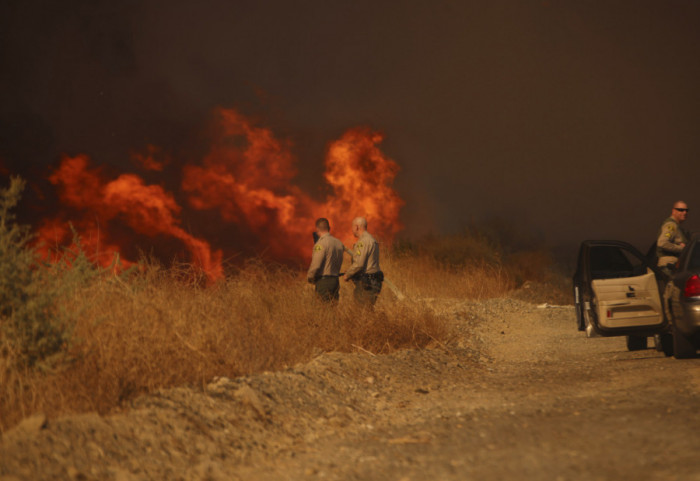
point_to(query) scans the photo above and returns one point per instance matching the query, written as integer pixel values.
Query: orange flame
(361, 177)
(147, 209)
(153, 159)
(246, 180)
(247, 174)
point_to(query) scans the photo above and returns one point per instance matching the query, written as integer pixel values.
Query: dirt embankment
(517, 393)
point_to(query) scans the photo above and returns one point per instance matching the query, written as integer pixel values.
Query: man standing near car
(326, 259)
(364, 271)
(672, 238)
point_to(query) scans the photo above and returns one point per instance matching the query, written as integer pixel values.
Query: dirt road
(517, 394)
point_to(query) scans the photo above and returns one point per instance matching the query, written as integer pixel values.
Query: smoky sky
(565, 119)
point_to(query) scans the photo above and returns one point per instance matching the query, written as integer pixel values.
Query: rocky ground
(517, 393)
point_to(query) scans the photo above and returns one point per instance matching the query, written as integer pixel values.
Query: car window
(609, 262)
(695, 257)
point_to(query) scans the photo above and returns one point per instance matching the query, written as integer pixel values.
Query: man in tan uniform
(672, 239)
(326, 259)
(365, 271)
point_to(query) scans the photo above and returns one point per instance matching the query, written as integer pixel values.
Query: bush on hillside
(34, 326)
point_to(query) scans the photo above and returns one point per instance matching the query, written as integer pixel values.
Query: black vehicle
(682, 299)
(618, 292)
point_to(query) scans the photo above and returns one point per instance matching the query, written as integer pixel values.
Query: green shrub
(33, 323)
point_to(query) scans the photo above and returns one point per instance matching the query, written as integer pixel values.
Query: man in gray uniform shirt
(365, 271)
(326, 259)
(672, 238)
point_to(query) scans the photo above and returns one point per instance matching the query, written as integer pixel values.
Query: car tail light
(692, 287)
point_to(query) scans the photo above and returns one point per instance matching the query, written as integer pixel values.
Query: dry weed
(164, 327)
(155, 331)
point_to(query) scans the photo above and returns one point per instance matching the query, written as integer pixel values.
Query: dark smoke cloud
(568, 119)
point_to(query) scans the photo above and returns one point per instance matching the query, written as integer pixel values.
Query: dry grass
(470, 266)
(156, 331)
(161, 328)
(420, 276)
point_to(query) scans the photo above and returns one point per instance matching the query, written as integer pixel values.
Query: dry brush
(120, 335)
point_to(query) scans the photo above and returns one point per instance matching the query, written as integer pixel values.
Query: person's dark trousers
(367, 290)
(328, 288)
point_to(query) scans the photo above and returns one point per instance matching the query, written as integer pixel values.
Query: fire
(146, 209)
(361, 177)
(153, 159)
(245, 179)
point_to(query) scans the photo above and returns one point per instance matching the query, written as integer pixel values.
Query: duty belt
(375, 275)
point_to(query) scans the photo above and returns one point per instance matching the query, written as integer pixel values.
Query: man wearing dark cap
(672, 238)
(326, 259)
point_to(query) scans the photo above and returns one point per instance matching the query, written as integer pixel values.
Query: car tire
(580, 320)
(636, 343)
(683, 347)
(578, 308)
(666, 343)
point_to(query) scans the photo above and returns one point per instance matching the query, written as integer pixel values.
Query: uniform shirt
(365, 256)
(668, 245)
(326, 258)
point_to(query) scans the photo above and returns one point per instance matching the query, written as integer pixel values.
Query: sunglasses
(681, 210)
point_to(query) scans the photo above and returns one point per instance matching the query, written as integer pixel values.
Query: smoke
(560, 117)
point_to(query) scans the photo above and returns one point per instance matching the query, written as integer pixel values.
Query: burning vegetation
(245, 182)
(86, 332)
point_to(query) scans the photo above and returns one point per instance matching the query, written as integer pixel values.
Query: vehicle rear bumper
(689, 322)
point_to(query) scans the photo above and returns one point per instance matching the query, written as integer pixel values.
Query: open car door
(616, 291)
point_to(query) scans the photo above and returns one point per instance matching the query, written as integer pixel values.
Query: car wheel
(683, 347)
(580, 320)
(578, 308)
(636, 343)
(666, 343)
